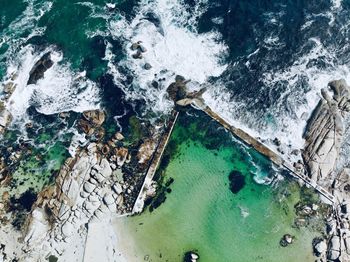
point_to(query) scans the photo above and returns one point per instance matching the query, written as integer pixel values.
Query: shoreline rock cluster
(324, 137)
(99, 183)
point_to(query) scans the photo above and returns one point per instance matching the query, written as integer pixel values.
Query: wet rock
(119, 136)
(276, 141)
(96, 117)
(86, 127)
(295, 152)
(121, 154)
(177, 90)
(135, 46)
(147, 66)
(110, 6)
(142, 48)
(137, 55)
(320, 247)
(9, 87)
(334, 248)
(146, 151)
(5, 119)
(40, 67)
(286, 240)
(191, 256)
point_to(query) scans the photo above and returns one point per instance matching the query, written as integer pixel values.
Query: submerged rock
(237, 181)
(191, 256)
(147, 66)
(286, 240)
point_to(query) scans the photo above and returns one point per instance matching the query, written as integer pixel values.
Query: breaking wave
(60, 90)
(168, 31)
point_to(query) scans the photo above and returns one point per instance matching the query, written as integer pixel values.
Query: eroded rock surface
(40, 67)
(325, 131)
(324, 137)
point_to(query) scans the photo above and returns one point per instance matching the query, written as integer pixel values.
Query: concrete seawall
(157, 156)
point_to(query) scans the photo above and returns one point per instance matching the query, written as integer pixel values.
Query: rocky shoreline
(106, 177)
(324, 136)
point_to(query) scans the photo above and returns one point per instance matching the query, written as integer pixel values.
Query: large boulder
(96, 117)
(177, 90)
(40, 67)
(324, 132)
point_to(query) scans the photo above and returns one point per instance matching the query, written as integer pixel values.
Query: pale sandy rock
(119, 136)
(94, 198)
(88, 187)
(105, 169)
(146, 151)
(67, 229)
(37, 229)
(321, 247)
(5, 118)
(120, 200)
(108, 199)
(99, 177)
(84, 194)
(334, 248)
(117, 188)
(73, 191)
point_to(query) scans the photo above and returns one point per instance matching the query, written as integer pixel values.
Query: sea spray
(173, 47)
(59, 90)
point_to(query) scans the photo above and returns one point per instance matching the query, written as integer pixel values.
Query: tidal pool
(201, 213)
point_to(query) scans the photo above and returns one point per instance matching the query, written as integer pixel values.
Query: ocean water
(202, 214)
(262, 62)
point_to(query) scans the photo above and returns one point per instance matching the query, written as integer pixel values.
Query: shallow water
(202, 214)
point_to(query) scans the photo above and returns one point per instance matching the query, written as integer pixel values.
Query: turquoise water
(202, 214)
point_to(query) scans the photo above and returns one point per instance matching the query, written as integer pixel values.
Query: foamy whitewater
(60, 90)
(168, 32)
(294, 105)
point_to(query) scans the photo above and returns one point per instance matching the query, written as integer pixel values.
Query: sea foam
(173, 47)
(59, 90)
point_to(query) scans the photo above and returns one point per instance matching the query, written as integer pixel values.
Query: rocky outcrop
(324, 132)
(91, 123)
(5, 118)
(146, 151)
(40, 67)
(191, 256)
(324, 137)
(286, 240)
(177, 90)
(85, 191)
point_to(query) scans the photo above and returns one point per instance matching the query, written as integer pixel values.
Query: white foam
(175, 46)
(337, 4)
(23, 27)
(289, 125)
(60, 90)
